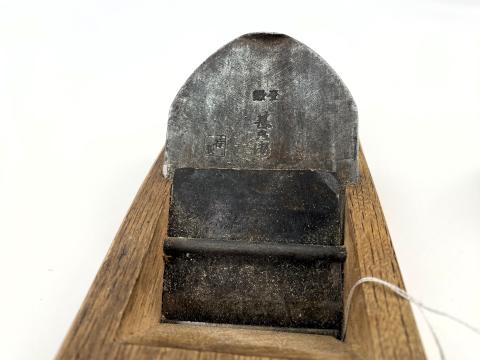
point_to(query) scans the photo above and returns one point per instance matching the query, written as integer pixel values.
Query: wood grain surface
(381, 325)
(121, 315)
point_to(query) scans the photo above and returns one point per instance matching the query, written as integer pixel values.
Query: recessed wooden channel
(121, 316)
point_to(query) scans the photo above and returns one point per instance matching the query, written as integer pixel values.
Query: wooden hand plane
(252, 226)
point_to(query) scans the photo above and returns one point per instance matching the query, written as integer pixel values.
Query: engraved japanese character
(263, 148)
(262, 121)
(259, 95)
(263, 134)
(215, 145)
(220, 142)
(272, 95)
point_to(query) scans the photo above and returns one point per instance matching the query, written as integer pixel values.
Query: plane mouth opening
(256, 248)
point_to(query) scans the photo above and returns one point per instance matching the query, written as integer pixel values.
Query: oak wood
(223, 339)
(121, 315)
(381, 325)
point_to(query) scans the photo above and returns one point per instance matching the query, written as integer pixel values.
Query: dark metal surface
(264, 101)
(175, 246)
(265, 291)
(256, 247)
(301, 207)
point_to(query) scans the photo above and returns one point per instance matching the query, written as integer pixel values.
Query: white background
(85, 90)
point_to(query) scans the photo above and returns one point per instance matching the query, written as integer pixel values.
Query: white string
(403, 294)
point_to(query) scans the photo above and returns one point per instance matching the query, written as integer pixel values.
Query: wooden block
(120, 317)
